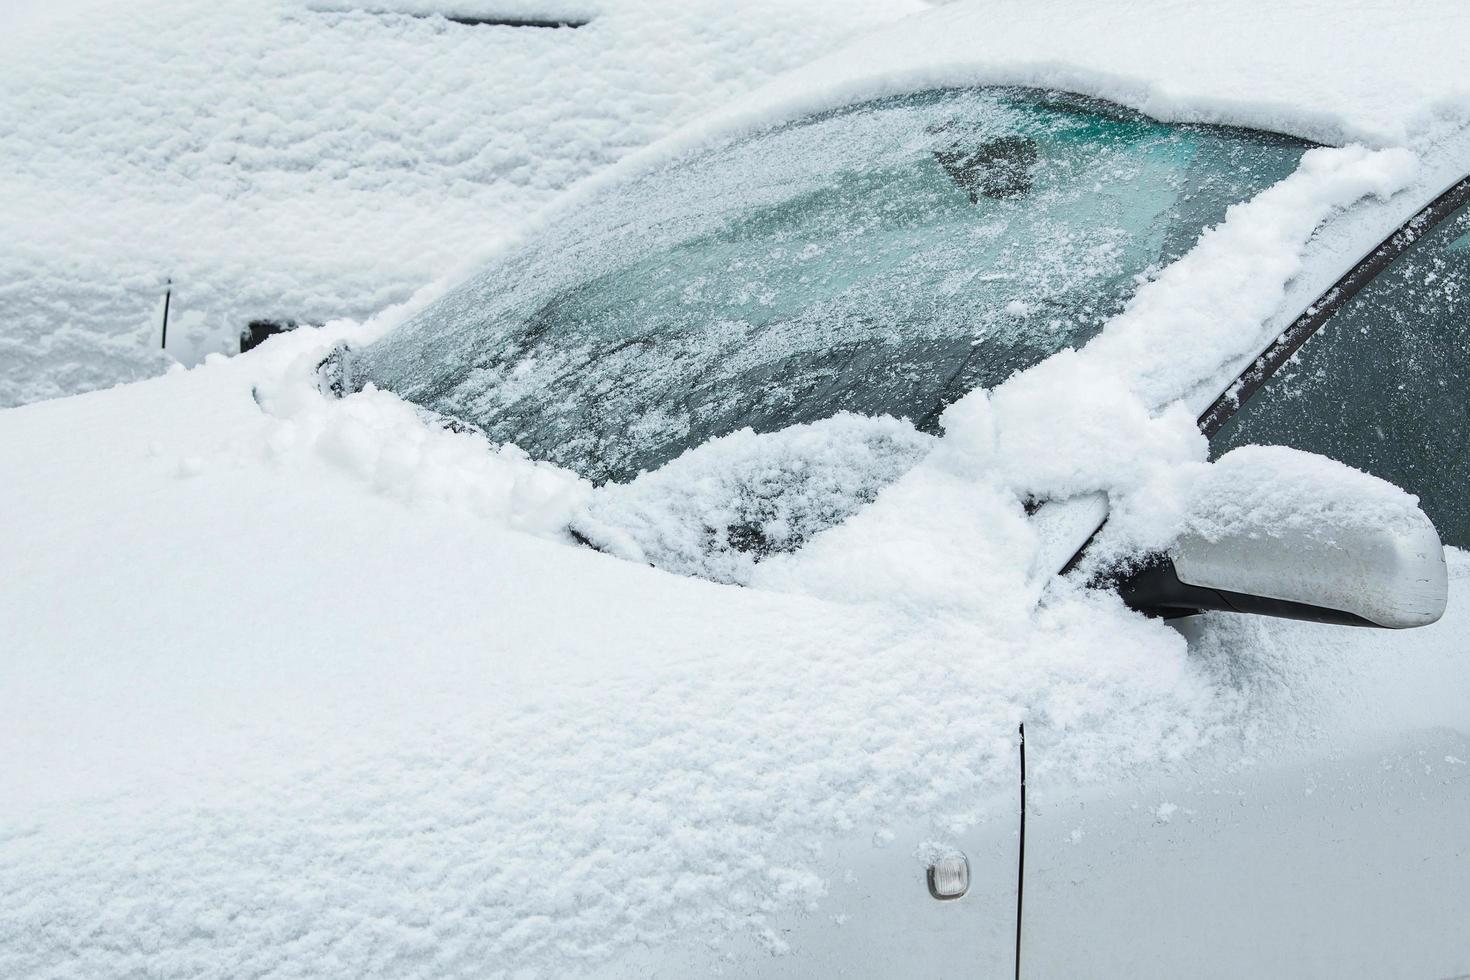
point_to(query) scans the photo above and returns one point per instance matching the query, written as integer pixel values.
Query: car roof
(1379, 74)
(1382, 73)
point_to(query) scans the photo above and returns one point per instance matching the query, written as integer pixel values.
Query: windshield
(883, 259)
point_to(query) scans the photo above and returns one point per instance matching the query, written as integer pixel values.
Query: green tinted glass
(882, 259)
(1383, 385)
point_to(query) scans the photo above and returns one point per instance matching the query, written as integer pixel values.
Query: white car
(903, 377)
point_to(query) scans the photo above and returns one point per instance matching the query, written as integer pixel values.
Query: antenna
(167, 295)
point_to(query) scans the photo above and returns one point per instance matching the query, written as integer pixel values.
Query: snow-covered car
(887, 258)
(903, 376)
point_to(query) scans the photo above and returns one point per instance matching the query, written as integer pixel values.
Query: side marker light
(949, 877)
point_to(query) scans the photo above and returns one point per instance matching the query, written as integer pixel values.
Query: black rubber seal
(1156, 590)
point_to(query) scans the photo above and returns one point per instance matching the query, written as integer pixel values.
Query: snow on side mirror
(1277, 532)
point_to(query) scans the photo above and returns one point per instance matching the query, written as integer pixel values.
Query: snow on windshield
(1109, 418)
(1106, 419)
(881, 259)
(722, 507)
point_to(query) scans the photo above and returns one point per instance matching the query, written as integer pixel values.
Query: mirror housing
(1276, 532)
(1380, 580)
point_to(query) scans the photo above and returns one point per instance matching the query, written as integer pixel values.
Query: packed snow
(285, 690)
(300, 685)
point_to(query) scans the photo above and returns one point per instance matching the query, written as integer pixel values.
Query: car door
(1299, 865)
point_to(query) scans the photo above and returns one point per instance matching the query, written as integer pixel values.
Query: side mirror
(1275, 532)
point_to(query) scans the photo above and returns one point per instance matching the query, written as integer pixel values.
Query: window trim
(1315, 316)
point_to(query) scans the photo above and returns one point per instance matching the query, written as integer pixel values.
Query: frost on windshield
(883, 259)
(722, 507)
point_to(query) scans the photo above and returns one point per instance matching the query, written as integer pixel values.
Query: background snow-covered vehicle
(976, 322)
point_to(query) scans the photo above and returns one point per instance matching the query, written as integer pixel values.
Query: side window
(1384, 384)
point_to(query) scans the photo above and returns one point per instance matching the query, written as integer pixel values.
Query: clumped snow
(723, 506)
(281, 161)
(1108, 418)
(1216, 304)
(1270, 490)
(403, 452)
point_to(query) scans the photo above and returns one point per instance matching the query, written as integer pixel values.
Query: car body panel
(1349, 861)
(1331, 859)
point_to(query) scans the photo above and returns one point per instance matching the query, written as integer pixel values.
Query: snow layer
(1372, 71)
(279, 161)
(272, 703)
(287, 686)
(286, 691)
(1257, 490)
(312, 687)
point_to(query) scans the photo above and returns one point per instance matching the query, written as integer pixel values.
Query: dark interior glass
(1385, 384)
